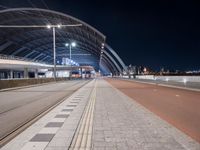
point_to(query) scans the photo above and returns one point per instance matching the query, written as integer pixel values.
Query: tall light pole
(73, 44)
(54, 35)
(70, 45)
(54, 52)
(54, 47)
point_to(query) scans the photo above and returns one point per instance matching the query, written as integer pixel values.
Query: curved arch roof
(37, 43)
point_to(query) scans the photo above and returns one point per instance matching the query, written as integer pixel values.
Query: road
(18, 106)
(177, 106)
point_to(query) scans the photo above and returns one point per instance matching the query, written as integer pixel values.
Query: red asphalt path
(181, 108)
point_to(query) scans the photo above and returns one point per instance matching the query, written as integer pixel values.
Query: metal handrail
(2, 56)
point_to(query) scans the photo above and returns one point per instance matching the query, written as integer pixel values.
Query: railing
(11, 57)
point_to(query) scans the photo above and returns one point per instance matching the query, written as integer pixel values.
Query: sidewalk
(55, 130)
(100, 117)
(121, 123)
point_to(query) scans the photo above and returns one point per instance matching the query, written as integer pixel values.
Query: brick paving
(120, 123)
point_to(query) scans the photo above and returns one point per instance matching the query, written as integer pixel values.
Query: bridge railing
(170, 78)
(11, 57)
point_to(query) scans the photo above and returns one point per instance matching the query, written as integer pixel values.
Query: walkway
(97, 117)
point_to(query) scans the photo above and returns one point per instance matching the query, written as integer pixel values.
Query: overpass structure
(88, 114)
(36, 44)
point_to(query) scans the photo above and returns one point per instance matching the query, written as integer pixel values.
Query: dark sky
(163, 33)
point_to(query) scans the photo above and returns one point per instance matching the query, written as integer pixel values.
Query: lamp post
(73, 44)
(70, 45)
(54, 53)
(54, 46)
(54, 35)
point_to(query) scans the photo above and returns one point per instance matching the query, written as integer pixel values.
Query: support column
(81, 72)
(11, 74)
(36, 73)
(26, 73)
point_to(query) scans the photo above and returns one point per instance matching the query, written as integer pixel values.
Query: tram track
(25, 124)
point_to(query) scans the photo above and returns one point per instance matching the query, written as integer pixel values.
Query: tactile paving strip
(56, 129)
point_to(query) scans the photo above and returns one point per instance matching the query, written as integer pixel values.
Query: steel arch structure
(36, 43)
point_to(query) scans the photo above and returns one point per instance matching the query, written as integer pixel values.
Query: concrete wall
(25, 82)
(170, 78)
(150, 77)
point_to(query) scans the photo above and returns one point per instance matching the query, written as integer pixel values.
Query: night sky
(156, 34)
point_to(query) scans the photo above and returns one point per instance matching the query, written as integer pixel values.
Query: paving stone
(33, 146)
(71, 105)
(67, 109)
(74, 102)
(128, 125)
(61, 116)
(42, 138)
(60, 142)
(56, 148)
(54, 124)
(119, 124)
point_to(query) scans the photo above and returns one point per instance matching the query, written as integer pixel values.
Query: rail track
(24, 125)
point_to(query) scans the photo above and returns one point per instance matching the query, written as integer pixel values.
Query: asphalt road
(18, 106)
(179, 107)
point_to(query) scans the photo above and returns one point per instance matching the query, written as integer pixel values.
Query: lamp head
(59, 26)
(73, 44)
(48, 26)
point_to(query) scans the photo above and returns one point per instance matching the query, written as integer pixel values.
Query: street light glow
(48, 26)
(67, 44)
(59, 26)
(73, 44)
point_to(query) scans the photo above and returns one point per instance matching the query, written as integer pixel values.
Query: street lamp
(54, 47)
(70, 45)
(73, 44)
(49, 27)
